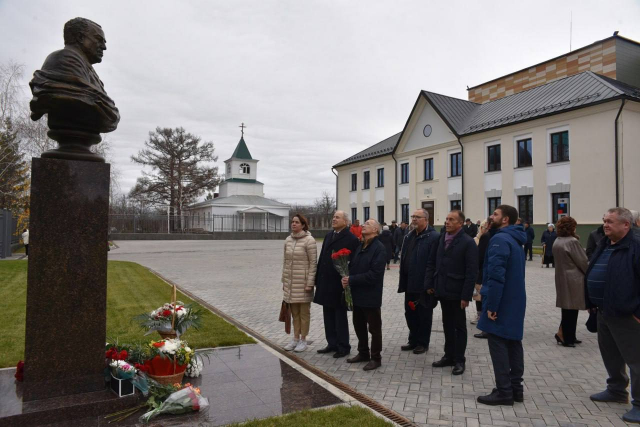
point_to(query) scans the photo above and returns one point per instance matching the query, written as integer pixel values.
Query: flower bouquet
(168, 360)
(171, 320)
(184, 400)
(341, 263)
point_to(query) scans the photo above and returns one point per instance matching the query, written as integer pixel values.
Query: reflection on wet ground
(241, 383)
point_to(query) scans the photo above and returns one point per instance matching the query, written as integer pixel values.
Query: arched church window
(245, 168)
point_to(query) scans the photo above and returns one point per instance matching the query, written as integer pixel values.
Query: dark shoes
(633, 416)
(443, 362)
(373, 364)
(420, 349)
(327, 349)
(408, 347)
(458, 369)
(518, 396)
(483, 335)
(495, 399)
(339, 354)
(607, 396)
(359, 358)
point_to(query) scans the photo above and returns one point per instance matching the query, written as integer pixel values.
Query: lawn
(131, 290)
(335, 417)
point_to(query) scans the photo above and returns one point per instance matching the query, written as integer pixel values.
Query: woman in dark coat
(548, 237)
(386, 238)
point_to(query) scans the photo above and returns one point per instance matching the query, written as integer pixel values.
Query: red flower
(166, 313)
(140, 367)
(123, 355)
(19, 371)
(158, 344)
(412, 305)
(341, 253)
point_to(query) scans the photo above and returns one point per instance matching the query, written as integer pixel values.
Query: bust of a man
(69, 91)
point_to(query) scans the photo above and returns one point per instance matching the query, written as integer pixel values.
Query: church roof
(244, 180)
(241, 201)
(242, 152)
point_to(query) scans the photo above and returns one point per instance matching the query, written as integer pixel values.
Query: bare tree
(10, 91)
(325, 206)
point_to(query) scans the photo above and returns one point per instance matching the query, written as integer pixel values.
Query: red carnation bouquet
(341, 263)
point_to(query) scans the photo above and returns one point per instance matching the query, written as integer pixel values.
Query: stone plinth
(67, 278)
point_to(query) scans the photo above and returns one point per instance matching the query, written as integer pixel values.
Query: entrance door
(429, 207)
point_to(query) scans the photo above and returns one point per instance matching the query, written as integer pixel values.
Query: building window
(456, 164)
(560, 147)
(365, 213)
(456, 205)
(354, 182)
(354, 214)
(245, 168)
(228, 168)
(560, 204)
(366, 180)
(493, 158)
(380, 214)
(525, 208)
(525, 154)
(381, 177)
(428, 169)
(405, 213)
(493, 203)
(404, 173)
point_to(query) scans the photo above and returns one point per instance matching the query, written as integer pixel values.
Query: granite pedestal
(67, 278)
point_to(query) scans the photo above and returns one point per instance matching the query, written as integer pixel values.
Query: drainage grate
(360, 397)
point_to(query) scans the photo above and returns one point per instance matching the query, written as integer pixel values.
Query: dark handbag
(592, 322)
(285, 316)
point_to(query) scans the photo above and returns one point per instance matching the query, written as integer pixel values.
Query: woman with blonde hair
(298, 279)
(482, 240)
(571, 265)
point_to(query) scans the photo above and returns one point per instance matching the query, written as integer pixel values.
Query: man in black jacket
(398, 238)
(329, 287)
(470, 228)
(531, 235)
(594, 239)
(418, 245)
(366, 277)
(451, 275)
(612, 285)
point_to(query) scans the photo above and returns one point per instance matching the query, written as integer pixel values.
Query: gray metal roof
(576, 91)
(240, 200)
(382, 148)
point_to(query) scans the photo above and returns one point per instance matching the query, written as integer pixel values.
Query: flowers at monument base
(195, 367)
(182, 401)
(122, 370)
(181, 316)
(168, 357)
(19, 375)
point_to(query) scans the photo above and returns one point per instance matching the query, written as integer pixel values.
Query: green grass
(131, 290)
(335, 417)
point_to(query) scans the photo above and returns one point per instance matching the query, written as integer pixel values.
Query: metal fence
(146, 223)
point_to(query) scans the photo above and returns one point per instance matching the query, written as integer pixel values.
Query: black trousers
(568, 323)
(363, 316)
(528, 248)
(26, 250)
(507, 357)
(454, 323)
(336, 328)
(418, 321)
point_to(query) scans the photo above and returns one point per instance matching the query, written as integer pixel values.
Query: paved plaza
(242, 279)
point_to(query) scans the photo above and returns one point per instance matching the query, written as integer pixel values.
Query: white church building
(240, 204)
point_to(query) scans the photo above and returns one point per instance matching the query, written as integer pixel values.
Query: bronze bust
(69, 91)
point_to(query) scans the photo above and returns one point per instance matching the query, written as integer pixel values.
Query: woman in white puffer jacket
(298, 279)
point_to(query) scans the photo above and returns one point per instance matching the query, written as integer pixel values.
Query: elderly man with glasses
(416, 250)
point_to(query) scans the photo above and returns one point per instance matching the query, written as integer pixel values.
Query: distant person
(635, 224)
(503, 307)
(594, 239)
(531, 235)
(25, 241)
(387, 240)
(478, 223)
(298, 279)
(482, 240)
(398, 238)
(571, 265)
(612, 286)
(356, 229)
(329, 287)
(366, 278)
(519, 221)
(548, 237)
(451, 276)
(416, 251)
(470, 228)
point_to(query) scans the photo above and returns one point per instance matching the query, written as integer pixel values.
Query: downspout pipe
(616, 153)
(395, 185)
(462, 175)
(334, 172)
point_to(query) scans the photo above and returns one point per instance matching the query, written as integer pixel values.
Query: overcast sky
(314, 81)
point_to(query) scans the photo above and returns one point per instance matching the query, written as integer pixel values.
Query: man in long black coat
(329, 287)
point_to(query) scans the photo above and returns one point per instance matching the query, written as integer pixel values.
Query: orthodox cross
(242, 126)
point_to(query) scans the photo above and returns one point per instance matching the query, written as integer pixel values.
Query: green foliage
(339, 416)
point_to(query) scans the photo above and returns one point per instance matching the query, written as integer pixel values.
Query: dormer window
(245, 168)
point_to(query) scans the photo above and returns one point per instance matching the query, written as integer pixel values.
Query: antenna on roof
(570, 30)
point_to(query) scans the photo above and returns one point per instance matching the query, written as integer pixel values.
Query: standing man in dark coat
(451, 277)
(366, 277)
(398, 238)
(528, 247)
(594, 239)
(470, 228)
(329, 287)
(418, 246)
(387, 240)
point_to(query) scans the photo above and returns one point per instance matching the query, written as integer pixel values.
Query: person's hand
(345, 282)
(308, 288)
(431, 291)
(493, 315)
(637, 320)
(464, 304)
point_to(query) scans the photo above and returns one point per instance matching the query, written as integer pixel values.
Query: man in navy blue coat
(329, 289)
(504, 301)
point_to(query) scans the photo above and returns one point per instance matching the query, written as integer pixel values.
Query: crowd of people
(463, 262)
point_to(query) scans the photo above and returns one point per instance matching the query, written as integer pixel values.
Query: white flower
(195, 367)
